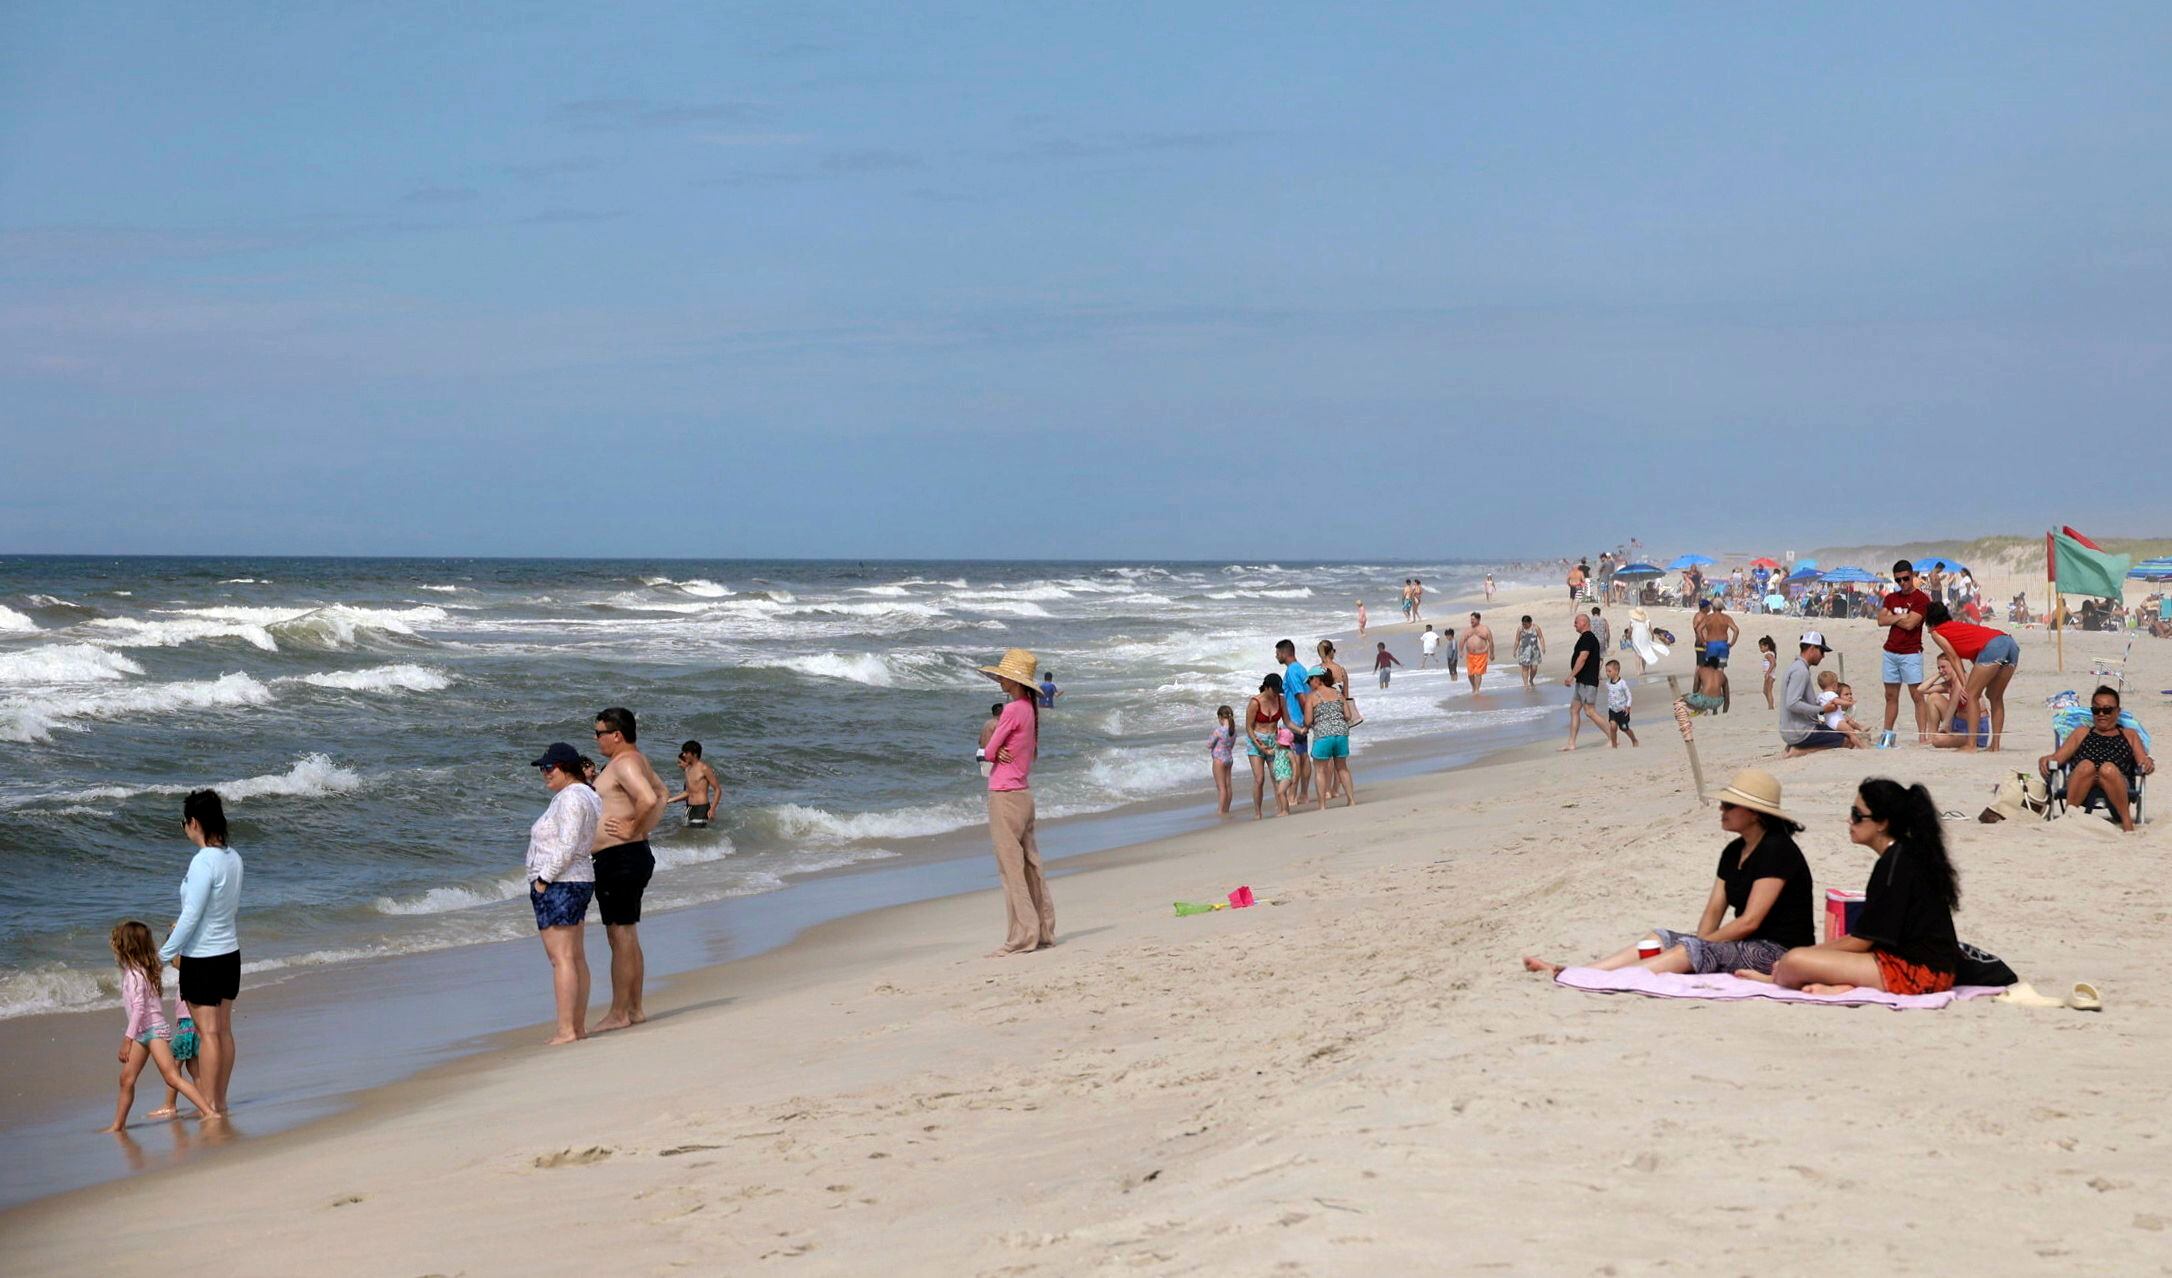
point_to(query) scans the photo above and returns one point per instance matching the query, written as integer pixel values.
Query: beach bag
(1981, 967)
(2019, 793)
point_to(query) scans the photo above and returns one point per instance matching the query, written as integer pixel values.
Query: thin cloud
(570, 217)
(869, 160)
(617, 114)
(541, 170)
(1064, 149)
(440, 195)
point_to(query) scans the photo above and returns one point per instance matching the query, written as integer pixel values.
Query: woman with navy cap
(561, 880)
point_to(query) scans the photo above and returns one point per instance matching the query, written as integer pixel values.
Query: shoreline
(1312, 1081)
(427, 1010)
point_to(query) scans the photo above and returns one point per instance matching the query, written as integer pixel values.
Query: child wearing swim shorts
(1617, 706)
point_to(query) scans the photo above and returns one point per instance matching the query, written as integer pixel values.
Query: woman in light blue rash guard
(204, 943)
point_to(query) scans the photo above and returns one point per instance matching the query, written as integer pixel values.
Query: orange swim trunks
(1474, 663)
(1903, 977)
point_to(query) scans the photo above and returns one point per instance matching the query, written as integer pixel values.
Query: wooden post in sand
(1689, 740)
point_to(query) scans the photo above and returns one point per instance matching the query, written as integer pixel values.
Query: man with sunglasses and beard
(1902, 612)
(634, 798)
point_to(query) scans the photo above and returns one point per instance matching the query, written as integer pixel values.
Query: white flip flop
(2085, 998)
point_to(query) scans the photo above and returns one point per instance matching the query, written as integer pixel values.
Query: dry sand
(1354, 1078)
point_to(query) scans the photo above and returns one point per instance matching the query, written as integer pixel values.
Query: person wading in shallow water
(633, 802)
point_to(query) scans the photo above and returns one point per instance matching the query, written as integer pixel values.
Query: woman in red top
(1262, 719)
(1995, 656)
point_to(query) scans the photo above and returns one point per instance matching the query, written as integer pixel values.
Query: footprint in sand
(573, 1157)
(348, 1201)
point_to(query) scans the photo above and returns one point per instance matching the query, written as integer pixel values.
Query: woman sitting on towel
(1903, 941)
(1762, 877)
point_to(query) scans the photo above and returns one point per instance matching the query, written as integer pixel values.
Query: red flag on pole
(2051, 559)
(2078, 537)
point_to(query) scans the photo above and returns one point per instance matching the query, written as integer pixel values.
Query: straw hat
(1757, 790)
(1017, 665)
(1637, 614)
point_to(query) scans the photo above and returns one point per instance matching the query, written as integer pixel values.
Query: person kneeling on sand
(1903, 941)
(1762, 877)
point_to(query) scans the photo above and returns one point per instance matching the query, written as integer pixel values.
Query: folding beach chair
(2063, 723)
(2116, 672)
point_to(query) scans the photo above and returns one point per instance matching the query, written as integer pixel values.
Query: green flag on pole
(2080, 570)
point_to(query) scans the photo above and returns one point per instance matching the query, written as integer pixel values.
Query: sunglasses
(1856, 816)
(604, 732)
(2104, 709)
(1725, 806)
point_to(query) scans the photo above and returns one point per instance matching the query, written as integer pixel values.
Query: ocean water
(370, 722)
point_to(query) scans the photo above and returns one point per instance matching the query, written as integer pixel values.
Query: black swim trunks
(697, 814)
(207, 982)
(622, 875)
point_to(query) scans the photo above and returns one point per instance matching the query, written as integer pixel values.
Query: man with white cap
(1011, 747)
(1800, 727)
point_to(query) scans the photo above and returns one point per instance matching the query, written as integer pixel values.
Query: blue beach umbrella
(1932, 561)
(1639, 572)
(1807, 570)
(1689, 561)
(1852, 576)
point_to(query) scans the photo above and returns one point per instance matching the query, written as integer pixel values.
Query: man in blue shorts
(1901, 612)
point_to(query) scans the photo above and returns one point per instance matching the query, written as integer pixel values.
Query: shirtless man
(633, 802)
(1477, 651)
(1716, 636)
(703, 793)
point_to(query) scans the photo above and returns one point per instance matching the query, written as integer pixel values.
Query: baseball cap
(560, 755)
(1813, 638)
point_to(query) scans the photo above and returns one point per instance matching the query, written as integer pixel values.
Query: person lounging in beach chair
(2101, 759)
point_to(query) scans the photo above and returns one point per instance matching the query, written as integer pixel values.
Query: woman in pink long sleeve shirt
(1032, 915)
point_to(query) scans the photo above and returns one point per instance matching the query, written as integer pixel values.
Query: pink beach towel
(1635, 980)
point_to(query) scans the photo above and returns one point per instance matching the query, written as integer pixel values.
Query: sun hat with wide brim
(1757, 790)
(1018, 666)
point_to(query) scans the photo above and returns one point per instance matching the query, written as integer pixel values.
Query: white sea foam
(15, 622)
(1020, 592)
(876, 670)
(131, 632)
(701, 586)
(1003, 607)
(395, 678)
(64, 663)
(443, 900)
(442, 590)
(246, 581)
(818, 825)
(34, 717)
(50, 601)
(889, 592)
(333, 626)
(52, 987)
(312, 776)
(1298, 592)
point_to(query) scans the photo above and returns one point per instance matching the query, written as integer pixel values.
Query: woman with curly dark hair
(1903, 941)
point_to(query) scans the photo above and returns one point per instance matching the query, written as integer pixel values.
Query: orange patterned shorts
(1903, 977)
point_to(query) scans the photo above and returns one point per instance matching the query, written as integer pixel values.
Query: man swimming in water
(703, 793)
(633, 802)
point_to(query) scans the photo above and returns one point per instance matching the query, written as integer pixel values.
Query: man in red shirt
(1902, 612)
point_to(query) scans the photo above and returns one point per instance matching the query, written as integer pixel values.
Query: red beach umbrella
(1764, 563)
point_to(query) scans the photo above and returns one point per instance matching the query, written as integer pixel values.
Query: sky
(1087, 281)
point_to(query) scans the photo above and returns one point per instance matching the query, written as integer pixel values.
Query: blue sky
(1154, 280)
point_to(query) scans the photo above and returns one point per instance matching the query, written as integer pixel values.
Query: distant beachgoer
(1576, 583)
(1029, 909)
(562, 881)
(1294, 676)
(1902, 612)
(1618, 701)
(633, 802)
(987, 730)
(1449, 650)
(1768, 653)
(1384, 664)
(1327, 721)
(588, 772)
(147, 1037)
(1598, 625)
(1530, 650)
(1408, 602)
(1221, 753)
(1696, 630)
(1361, 618)
(2106, 755)
(1994, 656)
(704, 794)
(1049, 692)
(1489, 587)
(1762, 877)
(1903, 941)
(1263, 716)
(1428, 644)
(1583, 681)
(205, 943)
(1477, 652)
(1417, 599)
(1800, 729)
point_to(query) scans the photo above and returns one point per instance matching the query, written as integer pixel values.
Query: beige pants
(1018, 860)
